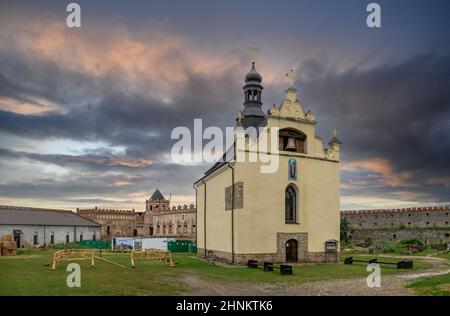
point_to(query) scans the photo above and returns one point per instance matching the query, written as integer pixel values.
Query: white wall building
(34, 226)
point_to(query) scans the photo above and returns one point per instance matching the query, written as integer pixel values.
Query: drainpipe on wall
(232, 212)
(204, 215)
(196, 214)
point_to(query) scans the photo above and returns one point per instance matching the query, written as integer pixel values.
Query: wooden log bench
(252, 264)
(404, 264)
(268, 266)
(285, 269)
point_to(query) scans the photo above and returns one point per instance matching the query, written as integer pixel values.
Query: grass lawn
(444, 255)
(436, 286)
(26, 274)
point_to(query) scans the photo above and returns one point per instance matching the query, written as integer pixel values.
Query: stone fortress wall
(114, 222)
(159, 219)
(431, 224)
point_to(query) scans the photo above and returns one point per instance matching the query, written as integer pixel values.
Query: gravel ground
(393, 285)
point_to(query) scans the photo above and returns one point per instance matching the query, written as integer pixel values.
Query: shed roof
(14, 215)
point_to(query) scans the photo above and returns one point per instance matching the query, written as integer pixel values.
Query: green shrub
(367, 241)
(412, 241)
(386, 248)
(412, 244)
(439, 246)
(346, 230)
(68, 246)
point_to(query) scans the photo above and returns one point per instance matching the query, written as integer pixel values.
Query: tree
(346, 230)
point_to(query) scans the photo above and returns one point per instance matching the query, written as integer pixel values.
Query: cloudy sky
(86, 113)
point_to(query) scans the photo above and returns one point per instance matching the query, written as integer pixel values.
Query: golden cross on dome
(254, 50)
(291, 77)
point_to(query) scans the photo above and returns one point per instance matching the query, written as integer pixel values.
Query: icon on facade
(292, 164)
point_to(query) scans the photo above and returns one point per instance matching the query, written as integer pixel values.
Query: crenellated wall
(114, 222)
(160, 219)
(431, 224)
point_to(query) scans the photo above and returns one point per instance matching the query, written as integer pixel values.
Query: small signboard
(331, 246)
(123, 243)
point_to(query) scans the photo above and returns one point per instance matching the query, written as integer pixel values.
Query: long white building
(35, 226)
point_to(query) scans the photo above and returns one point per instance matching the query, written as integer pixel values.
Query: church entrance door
(291, 250)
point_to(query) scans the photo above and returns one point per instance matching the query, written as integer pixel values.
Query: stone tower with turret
(156, 202)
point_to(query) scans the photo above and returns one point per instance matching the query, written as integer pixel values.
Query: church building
(290, 215)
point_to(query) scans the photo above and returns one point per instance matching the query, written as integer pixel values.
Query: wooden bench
(285, 269)
(404, 264)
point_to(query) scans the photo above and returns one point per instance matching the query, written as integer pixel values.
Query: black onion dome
(253, 75)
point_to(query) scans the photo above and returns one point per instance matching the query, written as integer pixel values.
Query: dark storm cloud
(396, 111)
(98, 162)
(86, 183)
(26, 79)
(399, 112)
(98, 109)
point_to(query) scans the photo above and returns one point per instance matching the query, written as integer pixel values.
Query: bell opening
(290, 146)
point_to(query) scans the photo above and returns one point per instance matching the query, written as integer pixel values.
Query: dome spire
(254, 50)
(252, 115)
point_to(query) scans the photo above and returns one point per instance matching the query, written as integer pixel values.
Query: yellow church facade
(290, 215)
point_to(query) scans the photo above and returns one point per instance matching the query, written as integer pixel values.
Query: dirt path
(346, 287)
(392, 285)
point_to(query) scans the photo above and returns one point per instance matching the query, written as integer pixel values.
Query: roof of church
(157, 195)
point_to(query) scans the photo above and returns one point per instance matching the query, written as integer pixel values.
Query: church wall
(318, 191)
(218, 220)
(321, 181)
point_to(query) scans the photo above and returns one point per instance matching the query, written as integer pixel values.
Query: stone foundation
(242, 259)
(280, 256)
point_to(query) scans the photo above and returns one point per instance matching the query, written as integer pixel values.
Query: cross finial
(291, 77)
(239, 117)
(253, 50)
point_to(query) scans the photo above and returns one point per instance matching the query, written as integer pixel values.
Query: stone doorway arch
(292, 250)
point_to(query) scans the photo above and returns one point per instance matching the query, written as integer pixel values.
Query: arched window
(35, 238)
(290, 202)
